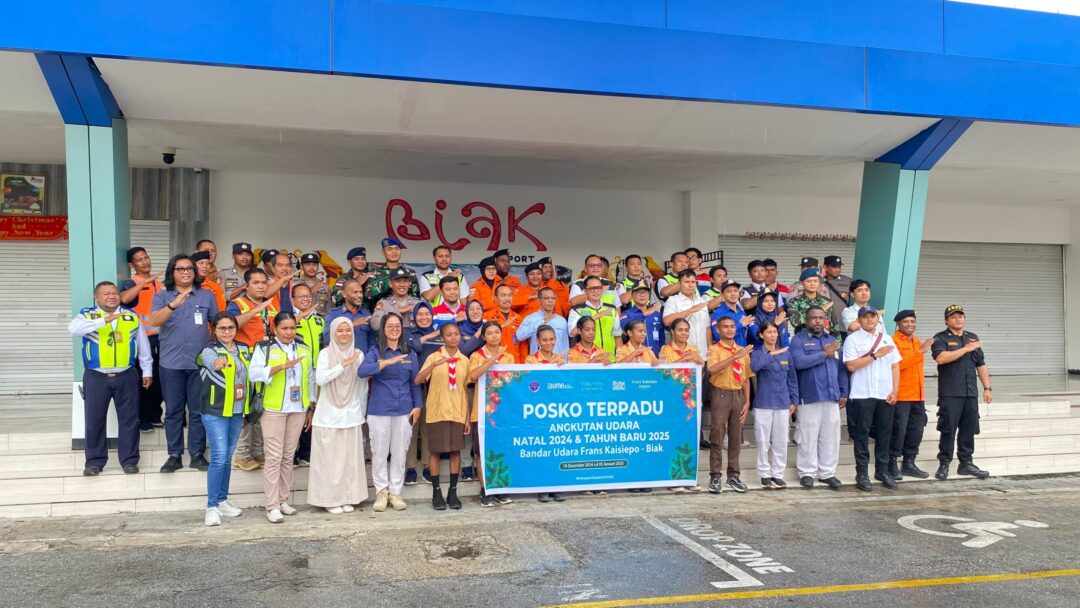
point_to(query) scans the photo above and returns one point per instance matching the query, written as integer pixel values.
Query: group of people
(270, 366)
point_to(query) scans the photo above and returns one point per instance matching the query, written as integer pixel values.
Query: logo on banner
(486, 225)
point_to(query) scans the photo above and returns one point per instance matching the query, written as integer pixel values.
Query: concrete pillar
(1072, 293)
(891, 213)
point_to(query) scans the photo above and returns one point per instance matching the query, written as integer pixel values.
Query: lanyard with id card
(199, 317)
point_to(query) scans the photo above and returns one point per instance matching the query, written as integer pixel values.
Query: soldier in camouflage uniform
(356, 258)
(810, 296)
(378, 285)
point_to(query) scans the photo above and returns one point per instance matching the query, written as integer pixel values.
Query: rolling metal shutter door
(36, 357)
(987, 280)
(37, 295)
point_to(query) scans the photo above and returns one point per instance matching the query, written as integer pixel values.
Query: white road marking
(889, 498)
(982, 533)
(740, 578)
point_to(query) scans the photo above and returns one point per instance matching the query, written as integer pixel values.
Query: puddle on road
(481, 547)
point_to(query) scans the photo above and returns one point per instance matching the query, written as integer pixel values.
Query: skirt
(337, 476)
(443, 437)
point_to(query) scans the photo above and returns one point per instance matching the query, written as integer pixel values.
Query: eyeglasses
(594, 265)
(184, 269)
(227, 328)
(595, 287)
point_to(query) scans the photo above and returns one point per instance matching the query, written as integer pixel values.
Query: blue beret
(355, 251)
(809, 272)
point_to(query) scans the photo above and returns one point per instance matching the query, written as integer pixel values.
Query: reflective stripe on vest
(222, 397)
(604, 325)
(433, 280)
(266, 315)
(102, 349)
(274, 395)
(310, 330)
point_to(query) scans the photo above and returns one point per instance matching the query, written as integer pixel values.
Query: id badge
(239, 391)
(117, 336)
(294, 393)
(199, 317)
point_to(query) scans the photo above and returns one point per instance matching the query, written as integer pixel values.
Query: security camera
(168, 155)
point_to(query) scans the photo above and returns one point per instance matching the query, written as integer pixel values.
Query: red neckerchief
(736, 367)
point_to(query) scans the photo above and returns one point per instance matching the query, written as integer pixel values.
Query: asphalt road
(779, 548)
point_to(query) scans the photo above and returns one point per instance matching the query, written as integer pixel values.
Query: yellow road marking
(792, 591)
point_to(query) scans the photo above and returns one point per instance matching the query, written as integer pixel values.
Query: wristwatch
(873, 356)
(170, 306)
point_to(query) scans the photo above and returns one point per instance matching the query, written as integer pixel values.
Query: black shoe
(806, 481)
(452, 500)
(886, 480)
(833, 483)
(894, 471)
(557, 497)
(766, 483)
(969, 468)
(646, 490)
(131, 469)
(942, 471)
(778, 483)
(487, 501)
(705, 444)
(863, 483)
(909, 469)
(716, 485)
(543, 497)
(91, 470)
(736, 484)
(172, 465)
(437, 501)
(634, 490)
(198, 462)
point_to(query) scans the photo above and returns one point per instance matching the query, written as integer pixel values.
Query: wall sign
(486, 225)
(22, 194)
(33, 227)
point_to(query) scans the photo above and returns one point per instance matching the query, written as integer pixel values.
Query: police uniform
(232, 278)
(837, 290)
(958, 397)
(109, 353)
(378, 286)
(320, 291)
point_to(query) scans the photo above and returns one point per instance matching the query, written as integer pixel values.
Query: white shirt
(327, 413)
(260, 372)
(426, 285)
(81, 326)
(699, 321)
(875, 380)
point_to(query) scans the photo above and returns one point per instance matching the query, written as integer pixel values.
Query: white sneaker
(229, 510)
(348, 508)
(335, 510)
(396, 503)
(213, 517)
(287, 509)
(380, 501)
(274, 516)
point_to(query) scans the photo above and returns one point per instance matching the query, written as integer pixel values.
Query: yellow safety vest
(274, 392)
(219, 386)
(108, 347)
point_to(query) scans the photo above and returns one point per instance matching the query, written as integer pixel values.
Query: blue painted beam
(56, 77)
(924, 150)
(97, 101)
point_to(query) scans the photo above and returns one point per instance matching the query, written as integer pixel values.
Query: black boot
(894, 471)
(909, 468)
(886, 480)
(437, 501)
(969, 468)
(452, 500)
(942, 471)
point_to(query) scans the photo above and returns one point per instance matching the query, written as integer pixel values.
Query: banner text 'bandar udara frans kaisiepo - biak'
(546, 428)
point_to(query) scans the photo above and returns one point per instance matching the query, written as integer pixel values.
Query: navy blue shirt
(820, 378)
(737, 314)
(777, 386)
(654, 326)
(394, 391)
(362, 338)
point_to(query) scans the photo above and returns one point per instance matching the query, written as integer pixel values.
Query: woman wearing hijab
(471, 338)
(338, 480)
(484, 287)
(768, 310)
(394, 405)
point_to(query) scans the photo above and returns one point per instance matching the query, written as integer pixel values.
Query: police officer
(959, 358)
(113, 339)
(378, 286)
(232, 279)
(837, 287)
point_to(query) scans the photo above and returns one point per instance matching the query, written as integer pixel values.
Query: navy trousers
(123, 390)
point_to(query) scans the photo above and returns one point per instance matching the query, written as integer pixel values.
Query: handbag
(255, 404)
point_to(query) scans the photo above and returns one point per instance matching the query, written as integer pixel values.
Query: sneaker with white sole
(213, 517)
(287, 509)
(274, 516)
(348, 508)
(229, 510)
(380, 501)
(502, 499)
(396, 503)
(335, 510)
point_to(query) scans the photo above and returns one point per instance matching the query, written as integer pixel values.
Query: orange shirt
(538, 358)
(477, 359)
(912, 376)
(670, 354)
(510, 280)
(579, 354)
(645, 356)
(142, 304)
(255, 330)
(562, 297)
(219, 293)
(725, 378)
(524, 303)
(485, 295)
(510, 324)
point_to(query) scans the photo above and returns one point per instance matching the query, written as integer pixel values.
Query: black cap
(953, 309)
(241, 248)
(729, 283)
(808, 262)
(310, 257)
(833, 260)
(903, 314)
(199, 256)
(505, 252)
(268, 255)
(399, 273)
(544, 260)
(639, 285)
(484, 263)
(355, 251)
(532, 267)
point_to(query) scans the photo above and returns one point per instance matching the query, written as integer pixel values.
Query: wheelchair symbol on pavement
(979, 534)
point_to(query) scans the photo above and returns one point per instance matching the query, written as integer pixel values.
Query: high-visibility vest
(609, 296)
(143, 302)
(433, 280)
(604, 325)
(219, 385)
(274, 391)
(670, 279)
(108, 347)
(253, 334)
(310, 331)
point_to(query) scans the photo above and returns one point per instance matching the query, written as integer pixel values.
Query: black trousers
(123, 390)
(150, 398)
(909, 420)
(958, 422)
(861, 415)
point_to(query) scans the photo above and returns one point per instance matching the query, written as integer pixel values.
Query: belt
(109, 375)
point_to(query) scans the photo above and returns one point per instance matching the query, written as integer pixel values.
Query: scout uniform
(726, 402)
